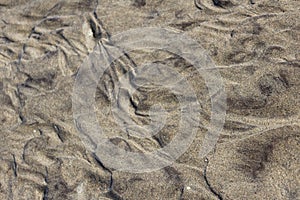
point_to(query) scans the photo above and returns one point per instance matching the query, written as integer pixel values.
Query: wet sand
(254, 46)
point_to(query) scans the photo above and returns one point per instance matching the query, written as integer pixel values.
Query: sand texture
(254, 46)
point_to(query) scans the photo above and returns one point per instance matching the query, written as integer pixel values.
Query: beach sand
(254, 46)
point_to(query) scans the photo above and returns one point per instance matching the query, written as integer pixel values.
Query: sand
(50, 144)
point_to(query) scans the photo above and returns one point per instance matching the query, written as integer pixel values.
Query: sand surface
(44, 154)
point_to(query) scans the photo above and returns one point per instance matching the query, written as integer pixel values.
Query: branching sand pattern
(254, 45)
